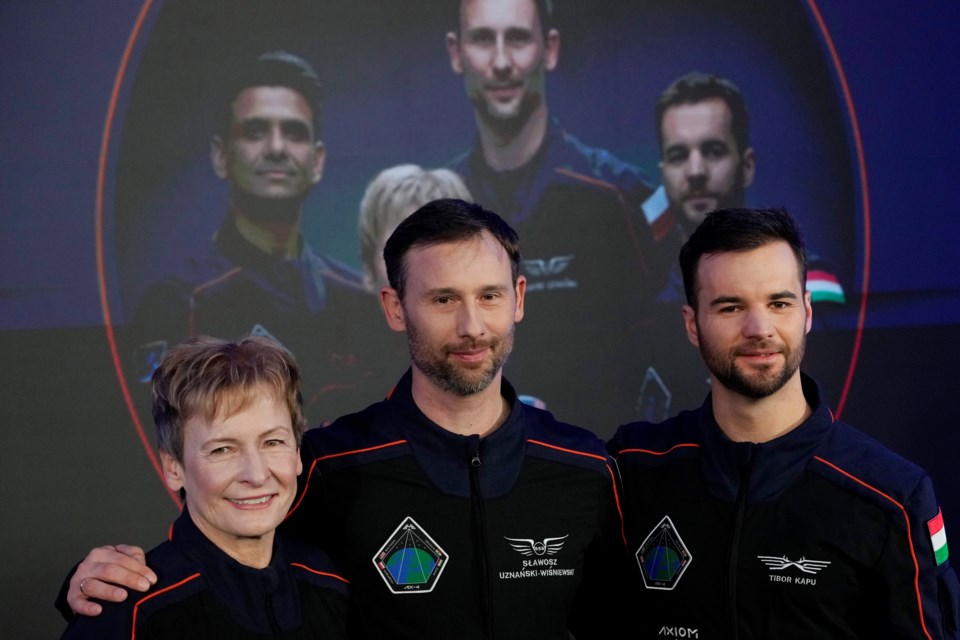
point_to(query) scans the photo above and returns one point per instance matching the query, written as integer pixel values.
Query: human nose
(758, 324)
(276, 143)
(255, 468)
(501, 58)
(470, 321)
(696, 167)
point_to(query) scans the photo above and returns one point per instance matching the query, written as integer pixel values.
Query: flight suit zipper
(480, 533)
(741, 507)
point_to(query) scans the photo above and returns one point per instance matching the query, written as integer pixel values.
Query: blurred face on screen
(271, 151)
(503, 57)
(700, 165)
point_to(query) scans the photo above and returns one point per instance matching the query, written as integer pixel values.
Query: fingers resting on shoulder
(105, 574)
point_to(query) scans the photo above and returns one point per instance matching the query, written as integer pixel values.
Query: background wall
(74, 470)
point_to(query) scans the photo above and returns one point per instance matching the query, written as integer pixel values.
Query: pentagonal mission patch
(663, 557)
(410, 561)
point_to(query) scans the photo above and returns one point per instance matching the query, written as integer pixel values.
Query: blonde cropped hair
(209, 378)
(395, 193)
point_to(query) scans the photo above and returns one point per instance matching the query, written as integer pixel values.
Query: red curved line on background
(101, 275)
(862, 165)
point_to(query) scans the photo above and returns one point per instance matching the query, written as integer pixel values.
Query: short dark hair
(695, 87)
(272, 69)
(206, 377)
(441, 221)
(545, 11)
(734, 230)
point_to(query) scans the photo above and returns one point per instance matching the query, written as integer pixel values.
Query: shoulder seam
(136, 607)
(567, 450)
(906, 520)
(313, 465)
(660, 453)
(582, 177)
(320, 573)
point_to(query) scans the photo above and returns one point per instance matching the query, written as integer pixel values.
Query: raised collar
(242, 590)
(774, 465)
(448, 458)
(231, 243)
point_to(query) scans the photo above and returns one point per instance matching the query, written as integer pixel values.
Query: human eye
(296, 131)
(483, 37)
(519, 37)
(274, 443)
(715, 150)
(219, 451)
(676, 155)
(253, 130)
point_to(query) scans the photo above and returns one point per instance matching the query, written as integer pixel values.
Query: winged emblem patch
(531, 547)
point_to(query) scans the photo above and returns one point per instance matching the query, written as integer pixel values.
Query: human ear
(392, 309)
(319, 160)
(520, 289)
(748, 162)
(219, 157)
(690, 322)
(552, 50)
(172, 471)
(453, 50)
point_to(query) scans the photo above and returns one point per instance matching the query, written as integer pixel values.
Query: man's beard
(456, 379)
(506, 125)
(723, 366)
(737, 194)
(735, 197)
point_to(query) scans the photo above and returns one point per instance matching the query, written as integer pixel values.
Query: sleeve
(61, 602)
(917, 584)
(600, 596)
(115, 622)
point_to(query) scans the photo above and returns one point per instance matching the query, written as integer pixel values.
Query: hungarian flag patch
(824, 287)
(938, 537)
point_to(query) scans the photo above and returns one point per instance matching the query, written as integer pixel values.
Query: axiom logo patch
(678, 632)
(538, 562)
(663, 557)
(784, 564)
(410, 561)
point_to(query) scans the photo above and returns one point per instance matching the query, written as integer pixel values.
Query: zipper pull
(473, 444)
